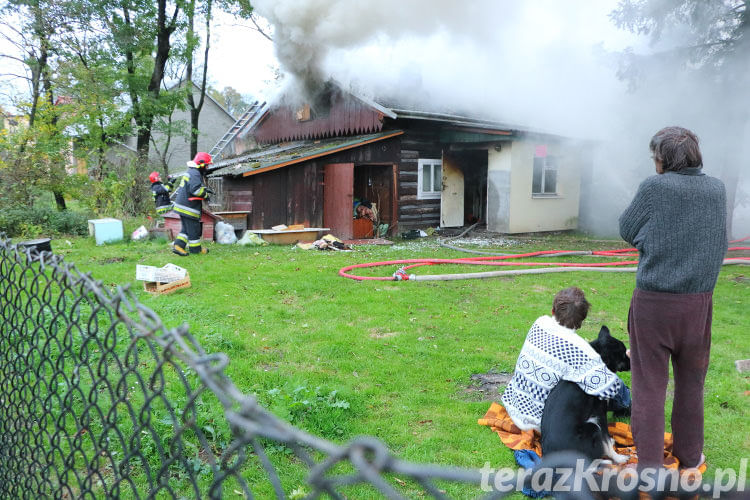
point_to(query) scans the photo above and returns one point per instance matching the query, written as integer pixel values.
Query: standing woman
(677, 221)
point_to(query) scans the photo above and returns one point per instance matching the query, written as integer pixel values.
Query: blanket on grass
(498, 420)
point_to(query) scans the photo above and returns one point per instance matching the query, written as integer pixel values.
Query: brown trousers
(664, 325)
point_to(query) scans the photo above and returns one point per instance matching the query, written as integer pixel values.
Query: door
(452, 196)
(338, 197)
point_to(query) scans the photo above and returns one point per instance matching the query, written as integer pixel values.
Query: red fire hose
(504, 260)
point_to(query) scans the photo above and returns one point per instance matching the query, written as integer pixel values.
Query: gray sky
(240, 57)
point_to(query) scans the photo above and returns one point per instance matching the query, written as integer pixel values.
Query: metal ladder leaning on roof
(235, 129)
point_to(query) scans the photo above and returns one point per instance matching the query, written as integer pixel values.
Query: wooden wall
(418, 141)
(338, 114)
(294, 194)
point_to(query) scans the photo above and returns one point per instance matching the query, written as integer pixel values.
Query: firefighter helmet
(153, 176)
(202, 159)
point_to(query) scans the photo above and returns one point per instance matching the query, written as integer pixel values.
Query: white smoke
(540, 64)
(524, 63)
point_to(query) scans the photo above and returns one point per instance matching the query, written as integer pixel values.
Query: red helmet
(202, 159)
(153, 176)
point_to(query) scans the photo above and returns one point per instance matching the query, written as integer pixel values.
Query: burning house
(308, 162)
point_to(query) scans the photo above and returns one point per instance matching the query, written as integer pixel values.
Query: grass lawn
(400, 354)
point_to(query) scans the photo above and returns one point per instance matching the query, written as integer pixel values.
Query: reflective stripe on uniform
(163, 209)
(200, 192)
(194, 244)
(182, 237)
(187, 211)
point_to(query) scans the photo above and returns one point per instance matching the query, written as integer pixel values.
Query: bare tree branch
(258, 28)
(13, 58)
(16, 76)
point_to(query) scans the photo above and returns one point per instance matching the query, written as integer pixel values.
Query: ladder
(235, 129)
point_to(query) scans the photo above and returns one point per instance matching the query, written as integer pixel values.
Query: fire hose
(505, 260)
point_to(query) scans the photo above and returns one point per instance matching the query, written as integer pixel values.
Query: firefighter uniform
(160, 192)
(188, 203)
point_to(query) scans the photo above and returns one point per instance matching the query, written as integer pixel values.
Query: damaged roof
(288, 153)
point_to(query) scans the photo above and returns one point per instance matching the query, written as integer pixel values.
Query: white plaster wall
(550, 213)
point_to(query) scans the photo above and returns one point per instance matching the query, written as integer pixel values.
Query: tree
(192, 43)
(140, 31)
(230, 99)
(115, 63)
(38, 145)
(240, 9)
(708, 46)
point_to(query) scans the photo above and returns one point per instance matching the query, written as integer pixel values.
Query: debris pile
(327, 242)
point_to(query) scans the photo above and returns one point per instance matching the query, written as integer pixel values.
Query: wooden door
(452, 196)
(338, 197)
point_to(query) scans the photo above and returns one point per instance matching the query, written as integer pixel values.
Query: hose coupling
(400, 275)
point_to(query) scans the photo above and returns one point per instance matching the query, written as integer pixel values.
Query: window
(429, 179)
(303, 113)
(544, 179)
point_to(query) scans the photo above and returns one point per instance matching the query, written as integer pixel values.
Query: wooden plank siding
(419, 141)
(341, 115)
(294, 194)
(300, 193)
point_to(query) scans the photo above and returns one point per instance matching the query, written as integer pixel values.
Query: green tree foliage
(230, 99)
(33, 156)
(34, 159)
(114, 63)
(702, 51)
(139, 34)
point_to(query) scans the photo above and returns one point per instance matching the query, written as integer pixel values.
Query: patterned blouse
(552, 353)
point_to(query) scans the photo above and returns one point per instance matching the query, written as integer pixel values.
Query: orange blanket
(514, 438)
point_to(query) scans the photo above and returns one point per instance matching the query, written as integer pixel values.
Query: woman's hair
(676, 148)
(570, 307)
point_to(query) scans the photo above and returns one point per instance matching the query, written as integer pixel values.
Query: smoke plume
(539, 64)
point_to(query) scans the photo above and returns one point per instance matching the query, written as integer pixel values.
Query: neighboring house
(214, 121)
(117, 159)
(421, 168)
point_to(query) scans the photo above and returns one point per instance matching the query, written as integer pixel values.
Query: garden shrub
(37, 221)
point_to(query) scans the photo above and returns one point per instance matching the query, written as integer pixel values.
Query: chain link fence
(98, 399)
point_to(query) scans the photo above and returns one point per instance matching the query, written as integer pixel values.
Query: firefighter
(160, 192)
(188, 204)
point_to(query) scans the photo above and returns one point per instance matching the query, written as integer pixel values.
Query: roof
(290, 153)
(197, 87)
(423, 107)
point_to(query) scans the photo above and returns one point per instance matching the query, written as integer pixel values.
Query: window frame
(548, 163)
(432, 194)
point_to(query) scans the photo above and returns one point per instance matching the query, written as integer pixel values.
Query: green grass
(400, 354)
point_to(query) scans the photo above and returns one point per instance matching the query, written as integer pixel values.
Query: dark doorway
(474, 165)
(374, 186)
(464, 197)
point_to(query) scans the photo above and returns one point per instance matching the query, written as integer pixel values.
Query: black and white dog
(575, 421)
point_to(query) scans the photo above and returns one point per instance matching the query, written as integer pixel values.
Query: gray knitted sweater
(677, 221)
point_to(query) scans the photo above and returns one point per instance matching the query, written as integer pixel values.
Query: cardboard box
(165, 274)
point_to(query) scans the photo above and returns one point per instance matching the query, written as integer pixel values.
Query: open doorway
(371, 187)
(374, 200)
(464, 196)
(475, 187)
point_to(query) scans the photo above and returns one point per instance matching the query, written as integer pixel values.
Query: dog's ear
(604, 333)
